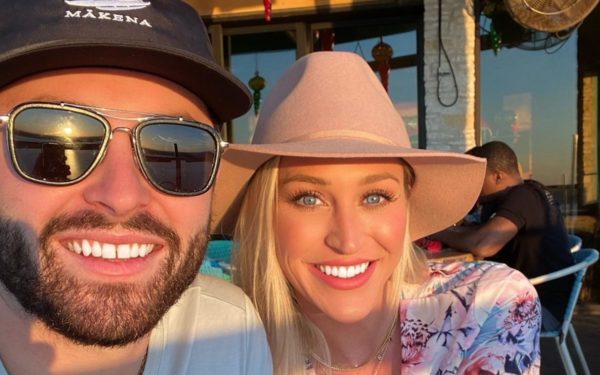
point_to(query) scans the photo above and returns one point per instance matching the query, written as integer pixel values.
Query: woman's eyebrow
(305, 178)
(379, 177)
(320, 181)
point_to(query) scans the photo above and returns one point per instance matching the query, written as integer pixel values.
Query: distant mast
(111, 5)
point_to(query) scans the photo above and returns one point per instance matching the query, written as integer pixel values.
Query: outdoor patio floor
(587, 327)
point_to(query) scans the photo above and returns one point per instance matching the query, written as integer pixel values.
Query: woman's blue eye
(373, 199)
(309, 200)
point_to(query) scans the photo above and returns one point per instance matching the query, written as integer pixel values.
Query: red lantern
(327, 37)
(382, 53)
(267, 5)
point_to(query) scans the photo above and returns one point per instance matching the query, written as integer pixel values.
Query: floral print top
(471, 317)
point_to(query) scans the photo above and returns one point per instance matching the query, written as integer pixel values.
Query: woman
(325, 229)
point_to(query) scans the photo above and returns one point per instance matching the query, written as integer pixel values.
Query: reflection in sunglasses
(51, 163)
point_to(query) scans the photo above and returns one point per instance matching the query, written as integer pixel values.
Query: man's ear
(498, 177)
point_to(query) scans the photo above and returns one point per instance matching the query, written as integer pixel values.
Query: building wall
(588, 70)
(589, 133)
(450, 127)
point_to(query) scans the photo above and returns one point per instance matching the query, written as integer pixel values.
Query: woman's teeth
(344, 272)
(109, 250)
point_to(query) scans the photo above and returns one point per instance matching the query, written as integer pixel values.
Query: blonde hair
(292, 337)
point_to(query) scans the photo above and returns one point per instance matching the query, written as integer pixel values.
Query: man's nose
(117, 185)
(346, 230)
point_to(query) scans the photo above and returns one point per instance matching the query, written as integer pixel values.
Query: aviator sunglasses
(61, 144)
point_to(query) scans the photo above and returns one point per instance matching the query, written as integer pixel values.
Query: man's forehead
(51, 98)
(105, 88)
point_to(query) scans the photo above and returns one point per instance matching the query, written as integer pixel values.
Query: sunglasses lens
(177, 158)
(55, 144)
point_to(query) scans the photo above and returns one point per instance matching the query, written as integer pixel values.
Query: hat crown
(165, 38)
(336, 91)
(31, 22)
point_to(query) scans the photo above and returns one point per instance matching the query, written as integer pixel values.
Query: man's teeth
(109, 250)
(344, 272)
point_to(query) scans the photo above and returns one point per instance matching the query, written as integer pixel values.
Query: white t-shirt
(212, 329)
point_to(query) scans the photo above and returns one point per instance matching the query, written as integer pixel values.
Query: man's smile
(109, 250)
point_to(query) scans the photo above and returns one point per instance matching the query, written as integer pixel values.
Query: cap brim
(225, 95)
(447, 183)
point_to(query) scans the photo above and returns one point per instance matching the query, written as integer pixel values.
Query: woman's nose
(346, 231)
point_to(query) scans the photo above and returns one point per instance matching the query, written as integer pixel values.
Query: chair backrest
(219, 250)
(575, 242)
(583, 259)
(217, 260)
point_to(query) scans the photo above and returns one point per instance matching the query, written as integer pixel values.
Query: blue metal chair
(575, 242)
(219, 250)
(217, 261)
(583, 258)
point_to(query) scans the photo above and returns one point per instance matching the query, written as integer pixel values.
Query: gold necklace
(143, 365)
(379, 353)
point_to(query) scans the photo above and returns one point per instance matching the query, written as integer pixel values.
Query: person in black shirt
(520, 224)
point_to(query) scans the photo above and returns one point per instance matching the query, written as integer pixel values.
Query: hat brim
(447, 183)
(225, 95)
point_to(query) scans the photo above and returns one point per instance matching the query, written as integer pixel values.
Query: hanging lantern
(257, 83)
(382, 53)
(496, 39)
(327, 37)
(267, 4)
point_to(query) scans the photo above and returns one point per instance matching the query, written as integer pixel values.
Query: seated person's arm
(483, 240)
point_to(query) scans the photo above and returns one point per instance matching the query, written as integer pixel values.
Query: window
(529, 101)
(401, 36)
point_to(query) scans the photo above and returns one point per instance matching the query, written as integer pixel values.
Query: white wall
(450, 128)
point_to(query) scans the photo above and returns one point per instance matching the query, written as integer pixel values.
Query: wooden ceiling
(253, 9)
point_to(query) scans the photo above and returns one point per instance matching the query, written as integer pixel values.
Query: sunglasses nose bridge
(133, 144)
(129, 132)
(123, 129)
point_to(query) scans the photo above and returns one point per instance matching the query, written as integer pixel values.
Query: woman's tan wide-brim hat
(331, 105)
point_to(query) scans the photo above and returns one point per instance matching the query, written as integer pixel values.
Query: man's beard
(95, 313)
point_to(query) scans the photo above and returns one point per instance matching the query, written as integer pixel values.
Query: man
(105, 192)
(520, 225)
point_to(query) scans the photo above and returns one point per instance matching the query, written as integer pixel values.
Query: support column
(450, 126)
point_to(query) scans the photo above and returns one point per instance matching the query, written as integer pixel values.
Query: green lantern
(257, 83)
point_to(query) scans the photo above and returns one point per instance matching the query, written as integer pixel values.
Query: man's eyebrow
(305, 178)
(379, 177)
(53, 99)
(45, 98)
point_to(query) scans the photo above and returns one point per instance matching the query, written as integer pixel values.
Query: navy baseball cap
(165, 38)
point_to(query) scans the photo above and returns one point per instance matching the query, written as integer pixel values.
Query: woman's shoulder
(477, 275)
(473, 315)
